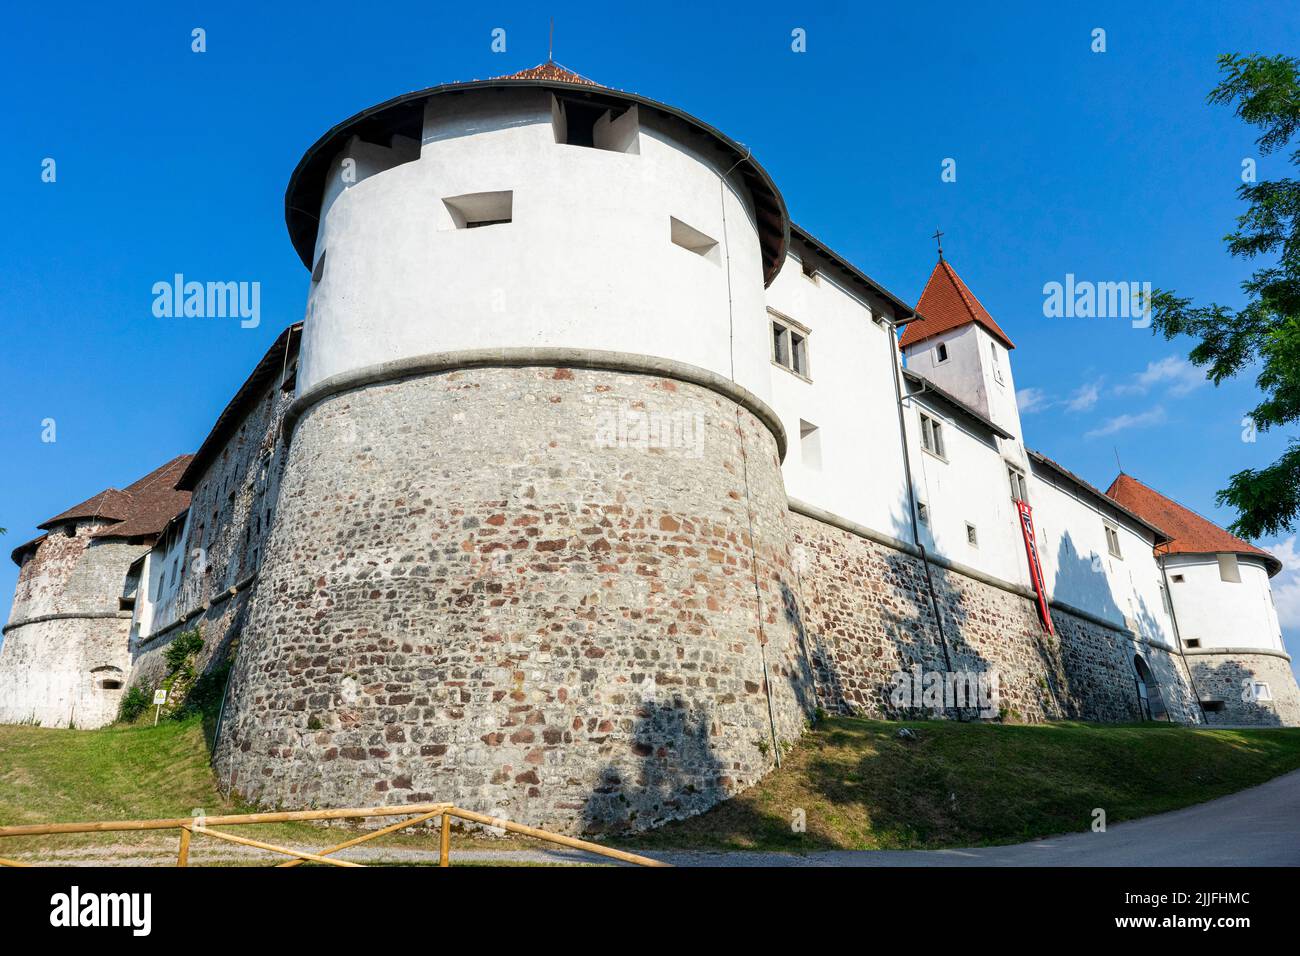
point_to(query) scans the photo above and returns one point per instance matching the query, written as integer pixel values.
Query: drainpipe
(891, 345)
(744, 458)
(1178, 639)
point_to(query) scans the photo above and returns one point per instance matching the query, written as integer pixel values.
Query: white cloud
(1030, 400)
(1178, 376)
(1084, 397)
(1286, 585)
(1121, 423)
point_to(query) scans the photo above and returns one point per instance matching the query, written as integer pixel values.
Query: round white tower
(531, 552)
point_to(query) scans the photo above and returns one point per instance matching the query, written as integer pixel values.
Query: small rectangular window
(1228, 569)
(1112, 541)
(810, 444)
(1177, 579)
(940, 353)
(1164, 600)
(972, 536)
(790, 347)
(1019, 491)
(923, 512)
(932, 435)
(809, 270)
(473, 210)
(1193, 642)
(997, 364)
(1262, 691)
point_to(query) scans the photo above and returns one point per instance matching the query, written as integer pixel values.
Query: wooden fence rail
(421, 813)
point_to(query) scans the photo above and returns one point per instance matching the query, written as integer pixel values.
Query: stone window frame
(792, 328)
(932, 440)
(1112, 540)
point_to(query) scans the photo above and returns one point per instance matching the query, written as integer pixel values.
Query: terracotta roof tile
(1190, 533)
(154, 501)
(550, 70)
(947, 304)
(110, 504)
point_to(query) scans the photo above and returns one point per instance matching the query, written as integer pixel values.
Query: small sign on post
(159, 698)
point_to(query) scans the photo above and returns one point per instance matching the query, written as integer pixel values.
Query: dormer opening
(582, 122)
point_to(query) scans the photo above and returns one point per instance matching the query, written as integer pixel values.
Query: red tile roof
(141, 508)
(550, 70)
(154, 501)
(1190, 533)
(110, 504)
(947, 304)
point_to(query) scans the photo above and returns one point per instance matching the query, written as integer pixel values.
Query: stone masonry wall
(482, 586)
(867, 613)
(69, 671)
(1222, 676)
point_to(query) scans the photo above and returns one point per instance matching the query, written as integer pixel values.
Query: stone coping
(65, 616)
(1235, 651)
(439, 362)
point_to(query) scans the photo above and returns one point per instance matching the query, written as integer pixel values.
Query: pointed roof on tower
(947, 304)
(551, 71)
(1190, 533)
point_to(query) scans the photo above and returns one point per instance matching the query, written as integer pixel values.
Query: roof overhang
(925, 386)
(404, 114)
(903, 313)
(1093, 491)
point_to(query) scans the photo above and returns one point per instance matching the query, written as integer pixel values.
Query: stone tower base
(556, 594)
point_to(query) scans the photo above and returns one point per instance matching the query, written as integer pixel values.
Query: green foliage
(133, 703)
(181, 648)
(1265, 92)
(205, 696)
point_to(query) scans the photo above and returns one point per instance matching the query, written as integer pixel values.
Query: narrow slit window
(923, 513)
(810, 444)
(940, 353)
(972, 535)
(691, 239)
(1228, 569)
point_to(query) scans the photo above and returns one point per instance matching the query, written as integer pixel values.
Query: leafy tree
(1265, 92)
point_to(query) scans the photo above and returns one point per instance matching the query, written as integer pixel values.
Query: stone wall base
(1223, 678)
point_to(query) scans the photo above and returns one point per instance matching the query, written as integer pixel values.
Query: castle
(589, 479)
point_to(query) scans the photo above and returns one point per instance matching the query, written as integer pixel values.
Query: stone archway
(1152, 700)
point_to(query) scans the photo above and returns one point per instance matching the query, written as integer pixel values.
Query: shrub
(180, 649)
(134, 703)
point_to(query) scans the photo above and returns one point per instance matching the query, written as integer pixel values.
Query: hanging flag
(1035, 568)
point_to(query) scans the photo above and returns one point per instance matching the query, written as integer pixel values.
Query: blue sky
(1107, 165)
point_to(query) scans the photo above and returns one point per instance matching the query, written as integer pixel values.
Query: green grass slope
(861, 786)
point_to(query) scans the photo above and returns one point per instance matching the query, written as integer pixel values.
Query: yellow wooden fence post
(444, 847)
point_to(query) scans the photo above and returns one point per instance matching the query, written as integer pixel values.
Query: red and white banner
(1035, 567)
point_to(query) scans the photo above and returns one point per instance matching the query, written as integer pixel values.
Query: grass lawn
(862, 787)
(50, 775)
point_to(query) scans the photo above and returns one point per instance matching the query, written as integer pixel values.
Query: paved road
(1255, 827)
